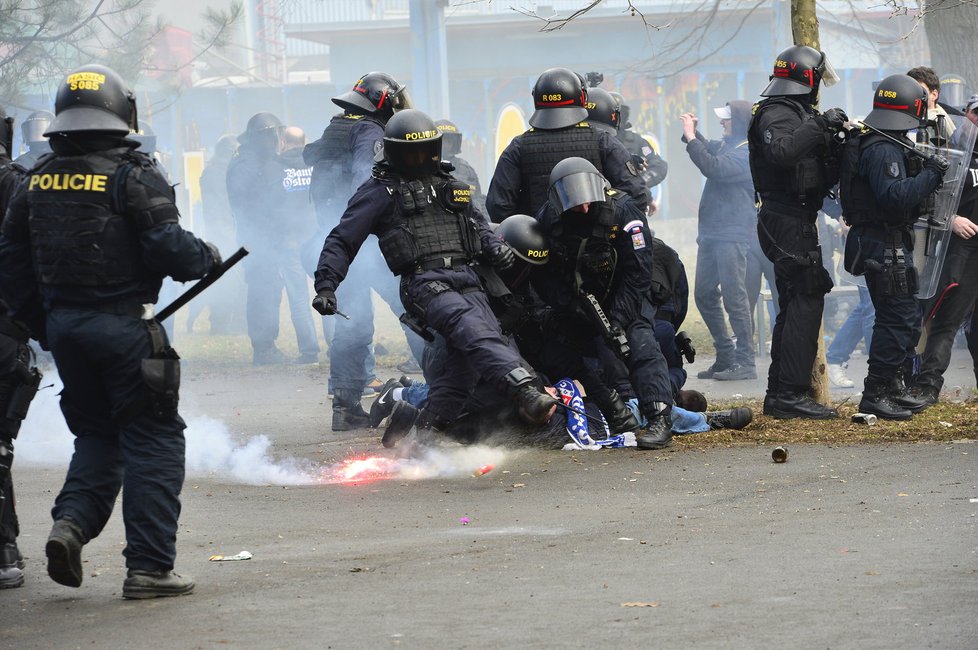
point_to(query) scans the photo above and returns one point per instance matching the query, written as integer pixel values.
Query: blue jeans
(267, 273)
(858, 327)
(721, 274)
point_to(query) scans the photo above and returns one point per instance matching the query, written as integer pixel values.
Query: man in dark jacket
(727, 224)
(559, 130)
(90, 235)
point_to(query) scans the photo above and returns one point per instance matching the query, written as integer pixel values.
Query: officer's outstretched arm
(790, 138)
(882, 165)
(368, 205)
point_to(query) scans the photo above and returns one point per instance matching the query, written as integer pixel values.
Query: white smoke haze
(213, 450)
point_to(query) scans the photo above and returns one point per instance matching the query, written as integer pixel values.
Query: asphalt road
(840, 547)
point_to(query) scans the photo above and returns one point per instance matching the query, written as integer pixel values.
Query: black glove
(937, 163)
(325, 302)
(216, 254)
(835, 118)
(685, 345)
(502, 256)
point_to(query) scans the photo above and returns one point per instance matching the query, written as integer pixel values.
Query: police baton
(570, 408)
(201, 284)
(897, 141)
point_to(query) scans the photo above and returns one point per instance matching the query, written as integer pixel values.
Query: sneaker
(374, 387)
(410, 367)
(736, 372)
(384, 403)
(64, 553)
(11, 575)
(155, 584)
(406, 381)
(712, 370)
(837, 375)
(269, 357)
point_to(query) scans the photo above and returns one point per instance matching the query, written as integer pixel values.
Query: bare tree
(41, 39)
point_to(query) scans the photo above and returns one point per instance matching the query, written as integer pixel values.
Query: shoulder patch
(767, 136)
(630, 166)
(893, 170)
(634, 228)
(378, 146)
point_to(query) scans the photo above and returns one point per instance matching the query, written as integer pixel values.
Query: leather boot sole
(64, 562)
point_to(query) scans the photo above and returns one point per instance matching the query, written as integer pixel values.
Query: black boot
(737, 418)
(658, 433)
(535, 404)
(787, 405)
(63, 550)
(400, 423)
(876, 400)
(347, 412)
(768, 409)
(618, 415)
(902, 397)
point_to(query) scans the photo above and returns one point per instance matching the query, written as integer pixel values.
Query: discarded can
(779, 455)
(864, 418)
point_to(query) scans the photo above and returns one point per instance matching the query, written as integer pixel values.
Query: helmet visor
(414, 159)
(577, 189)
(33, 130)
(829, 76)
(401, 99)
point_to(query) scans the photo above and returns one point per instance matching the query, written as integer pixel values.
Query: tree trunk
(951, 26)
(804, 31)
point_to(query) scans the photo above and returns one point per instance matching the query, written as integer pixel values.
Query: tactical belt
(790, 210)
(117, 308)
(444, 263)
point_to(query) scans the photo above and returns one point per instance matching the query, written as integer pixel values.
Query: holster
(161, 374)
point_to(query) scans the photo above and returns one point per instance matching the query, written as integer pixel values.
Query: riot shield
(932, 230)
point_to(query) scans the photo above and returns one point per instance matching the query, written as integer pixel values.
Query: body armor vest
(332, 173)
(542, 150)
(584, 250)
(808, 180)
(432, 226)
(859, 205)
(79, 235)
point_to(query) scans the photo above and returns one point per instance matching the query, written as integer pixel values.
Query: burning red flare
(362, 470)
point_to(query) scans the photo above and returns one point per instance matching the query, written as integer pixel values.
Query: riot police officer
(451, 152)
(92, 231)
(342, 160)
(32, 131)
(599, 281)
(882, 188)
(18, 383)
(652, 167)
(520, 182)
(794, 164)
(430, 236)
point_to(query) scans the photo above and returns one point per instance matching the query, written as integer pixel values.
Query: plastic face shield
(577, 189)
(401, 99)
(829, 76)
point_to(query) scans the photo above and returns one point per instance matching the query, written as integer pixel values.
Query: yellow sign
(509, 124)
(68, 182)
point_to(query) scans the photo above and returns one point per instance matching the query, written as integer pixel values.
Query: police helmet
(954, 91)
(6, 133)
(263, 130)
(146, 138)
(558, 99)
(798, 71)
(603, 112)
(525, 236)
(375, 92)
(226, 145)
(32, 129)
(899, 104)
(94, 98)
(451, 138)
(412, 144)
(574, 182)
(623, 109)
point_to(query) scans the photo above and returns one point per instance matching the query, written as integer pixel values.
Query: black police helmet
(603, 112)
(525, 236)
(262, 131)
(558, 100)
(451, 138)
(623, 108)
(94, 98)
(899, 104)
(32, 129)
(226, 145)
(954, 91)
(412, 144)
(574, 182)
(375, 92)
(797, 71)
